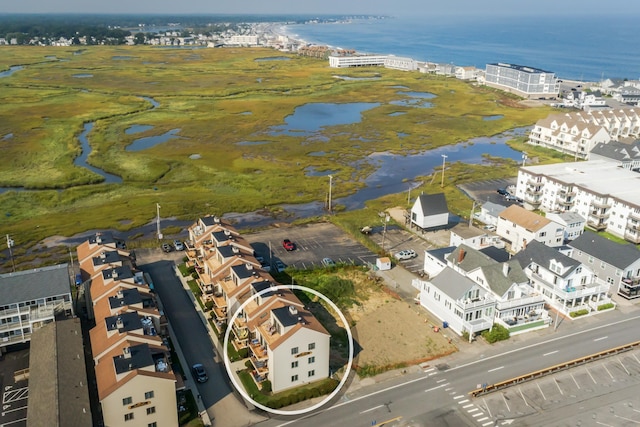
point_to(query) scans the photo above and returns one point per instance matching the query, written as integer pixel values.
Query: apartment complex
(285, 343)
(356, 60)
(525, 81)
(30, 299)
(598, 190)
(135, 380)
(578, 133)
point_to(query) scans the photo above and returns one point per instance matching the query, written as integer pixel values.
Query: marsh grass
(44, 107)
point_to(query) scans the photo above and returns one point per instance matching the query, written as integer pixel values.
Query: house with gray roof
(572, 222)
(566, 284)
(32, 298)
(624, 154)
(430, 211)
(489, 213)
(614, 264)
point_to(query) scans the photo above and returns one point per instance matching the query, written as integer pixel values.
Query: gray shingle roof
(441, 253)
(452, 283)
(496, 279)
(542, 255)
(34, 284)
(433, 204)
(467, 258)
(618, 150)
(619, 255)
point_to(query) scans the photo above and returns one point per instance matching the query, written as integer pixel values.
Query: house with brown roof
(519, 226)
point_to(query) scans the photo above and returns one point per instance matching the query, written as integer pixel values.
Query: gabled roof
(542, 255)
(39, 283)
(441, 253)
(452, 283)
(500, 283)
(524, 218)
(566, 218)
(617, 150)
(619, 255)
(432, 204)
(466, 258)
(493, 209)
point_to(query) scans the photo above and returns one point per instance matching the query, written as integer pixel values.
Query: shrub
(248, 364)
(208, 305)
(605, 306)
(579, 313)
(266, 385)
(497, 333)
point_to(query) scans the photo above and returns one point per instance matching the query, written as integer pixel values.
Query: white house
(614, 264)
(472, 236)
(430, 211)
(572, 222)
(520, 227)
(566, 284)
(489, 213)
(625, 155)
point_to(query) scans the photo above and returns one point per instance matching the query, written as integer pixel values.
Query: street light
(524, 157)
(330, 185)
(444, 157)
(158, 220)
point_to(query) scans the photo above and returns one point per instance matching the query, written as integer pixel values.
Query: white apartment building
(243, 40)
(30, 299)
(525, 81)
(598, 190)
(520, 227)
(400, 63)
(578, 133)
(356, 60)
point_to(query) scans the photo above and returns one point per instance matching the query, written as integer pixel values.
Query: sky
(334, 7)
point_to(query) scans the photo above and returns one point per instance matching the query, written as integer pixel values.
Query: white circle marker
(240, 387)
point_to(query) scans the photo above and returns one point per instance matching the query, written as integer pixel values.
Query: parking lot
(601, 393)
(486, 191)
(14, 394)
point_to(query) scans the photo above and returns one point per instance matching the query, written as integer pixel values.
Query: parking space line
(463, 401)
(460, 396)
(634, 355)
(627, 419)
(467, 406)
(15, 421)
(479, 414)
(605, 368)
(473, 410)
(487, 407)
(522, 395)
(487, 424)
(589, 372)
(505, 402)
(543, 396)
(624, 367)
(574, 380)
(558, 385)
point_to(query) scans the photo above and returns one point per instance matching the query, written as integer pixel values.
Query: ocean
(585, 48)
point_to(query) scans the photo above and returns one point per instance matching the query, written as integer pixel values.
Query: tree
(139, 38)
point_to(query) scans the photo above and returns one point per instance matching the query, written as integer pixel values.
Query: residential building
(286, 344)
(243, 40)
(520, 227)
(625, 155)
(566, 284)
(568, 133)
(472, 236)
(134, 377)
(572, 223)
(524, 81)
(466, 73)
(614, 264)
(435, 260)
(58, 386)
(400, 63)
(356, 60)
(598, 190)
(489, 213)
(628, 95)
(30, 299)
(430, 211)
(583, 100)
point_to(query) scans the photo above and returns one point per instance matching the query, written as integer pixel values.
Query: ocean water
(587, 48)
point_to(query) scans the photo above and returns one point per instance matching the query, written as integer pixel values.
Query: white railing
(506, 305)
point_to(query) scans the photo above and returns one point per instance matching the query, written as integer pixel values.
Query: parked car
(279, 266)
(199, 373)
(178, 245)
(502, 191)
(166, 247)
(288, 245)
(366, 230)
(328, 262)
(489, 227)
(406, 254)
(78, 279)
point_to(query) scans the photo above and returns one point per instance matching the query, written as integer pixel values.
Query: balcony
(219, 313)
(468, 304)
(597, 225)
(600, 204)
(519, 302)
(634, 216)
(533, 190)
(564, 201)
(629, 288)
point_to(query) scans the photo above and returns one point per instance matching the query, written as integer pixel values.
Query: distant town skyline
(324, 7)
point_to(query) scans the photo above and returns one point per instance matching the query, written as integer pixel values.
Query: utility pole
(384, 231)
(473, 209)
(10, 244)
(158, 220)
(330, 185)
(524, 157)
(409, 197)
(444, 157)
(73, 268)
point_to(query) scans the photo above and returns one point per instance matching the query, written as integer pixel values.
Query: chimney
(119, 323)
(505, 269)
(461, 255)
(126, 352)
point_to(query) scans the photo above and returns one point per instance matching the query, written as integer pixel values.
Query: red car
(288, 245)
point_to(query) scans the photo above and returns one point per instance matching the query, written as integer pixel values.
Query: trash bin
(445, 324)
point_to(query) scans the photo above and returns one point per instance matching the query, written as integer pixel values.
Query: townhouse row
(286, 345)
(135, 379)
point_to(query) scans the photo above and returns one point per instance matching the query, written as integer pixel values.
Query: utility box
(383, 263)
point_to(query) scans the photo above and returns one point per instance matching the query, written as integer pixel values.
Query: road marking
(441, 381)
(472, 410)
(487, 407)
(624, 367)
(467, 406)
(479, 414)
(448, 389)
(463, 401)
(435, 388)
(605, 368)
(495, 369)
(545, 397)
(487, 424)
(505, 402)
(522, 395)
(558, 385)
(600, 339)
(574, 380)
(550, 353)
(627, 419)
(386, 422)
(372, 409)
(15, 421)
(22, 408)
(460, 396)
(482, 419)
(589, 372)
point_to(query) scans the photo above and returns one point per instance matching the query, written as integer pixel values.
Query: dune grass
(216, 98)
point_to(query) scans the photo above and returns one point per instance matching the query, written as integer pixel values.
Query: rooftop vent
(292, 310)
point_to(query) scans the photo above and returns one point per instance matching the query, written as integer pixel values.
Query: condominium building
(30, 299)
(598, 190)
(285, 343)
(400, 63)
(135, 380)
(525, 81)
(356, 60)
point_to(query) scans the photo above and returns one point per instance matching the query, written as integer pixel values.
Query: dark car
(79, 279)
(502, 191)
(288, 245)
(199, 373)
(166, 247)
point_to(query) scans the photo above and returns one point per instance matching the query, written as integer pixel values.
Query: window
(153, 424)
(148, 395)
(294, 364)
(312, 346)
(294, 350)
(294, 378)
(127, 401)
(311, 360)
(312, 373)
(603, 265)
(151, 410)
(590, 260)
(610, 280)
(128, 417)
(542, 234)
